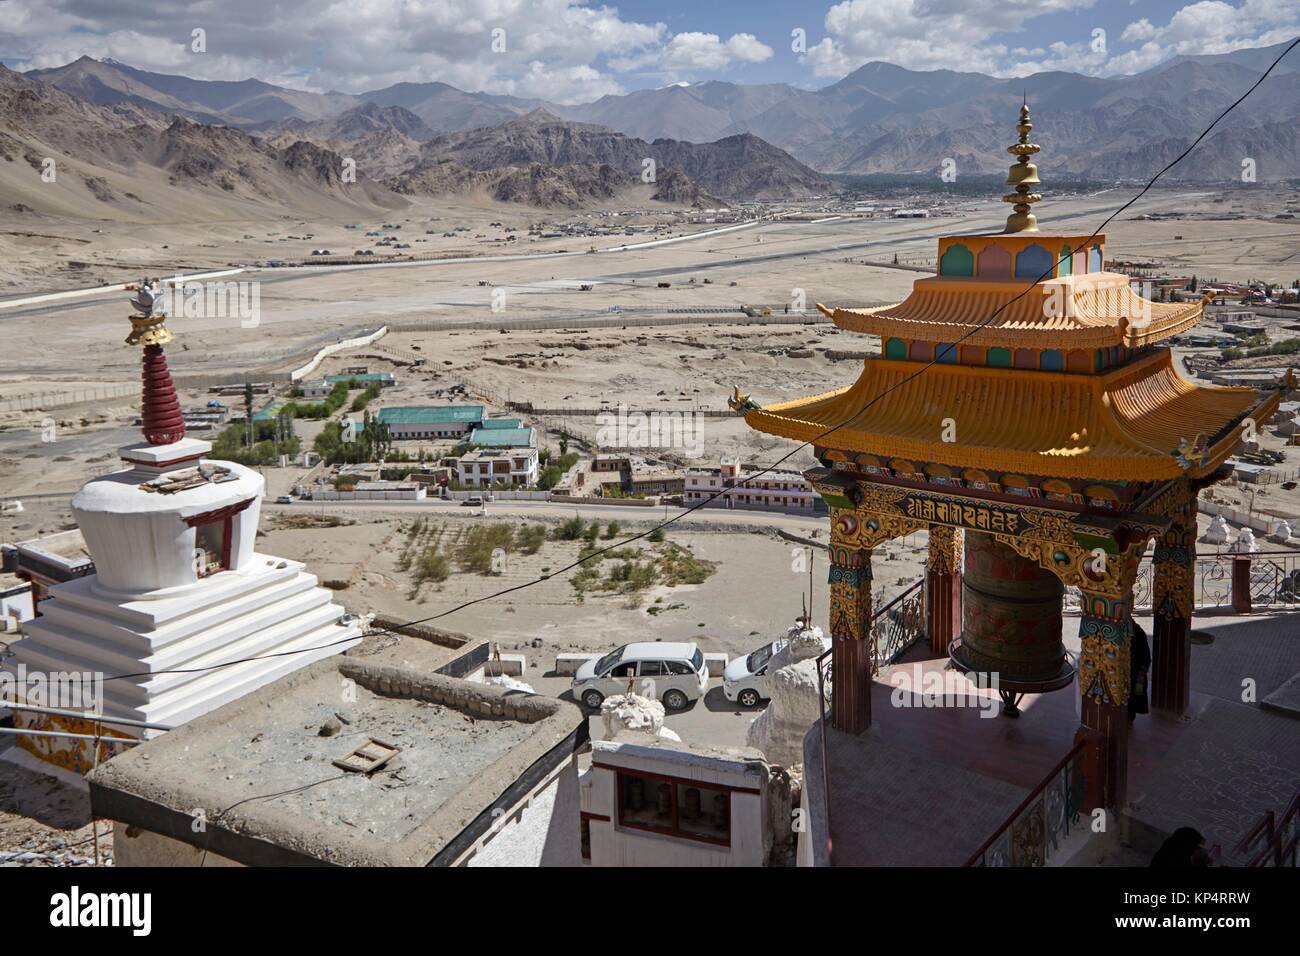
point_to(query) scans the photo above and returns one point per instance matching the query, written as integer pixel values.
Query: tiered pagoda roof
(1064, 382)
(1095, 311)
(1136, 422)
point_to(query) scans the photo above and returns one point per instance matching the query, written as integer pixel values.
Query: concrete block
(716, 664)
(511, 665)
(568, 664)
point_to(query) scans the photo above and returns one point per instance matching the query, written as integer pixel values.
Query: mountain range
(880, 118)
(133, 158)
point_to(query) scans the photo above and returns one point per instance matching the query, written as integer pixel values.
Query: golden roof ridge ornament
(1023, 176)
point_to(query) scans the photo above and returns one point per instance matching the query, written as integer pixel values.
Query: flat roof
(502, 437)
(430, 414)
(501, 423)
(265, 776)
(361, 377)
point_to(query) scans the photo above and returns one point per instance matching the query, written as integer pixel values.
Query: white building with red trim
(736, 487)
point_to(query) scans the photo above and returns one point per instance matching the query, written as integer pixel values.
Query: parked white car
(745, 679)
(674, 673)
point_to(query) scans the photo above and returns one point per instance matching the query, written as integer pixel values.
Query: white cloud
(964, 35)
(1211, 26)
(691, 52)
(553, 48)
(924, 34)
(1139, 31)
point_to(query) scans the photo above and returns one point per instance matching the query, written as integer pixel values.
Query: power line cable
(947, 349)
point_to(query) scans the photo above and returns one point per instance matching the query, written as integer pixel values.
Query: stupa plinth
(182, 613)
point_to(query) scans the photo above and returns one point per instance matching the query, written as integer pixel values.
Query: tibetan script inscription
(963, 514)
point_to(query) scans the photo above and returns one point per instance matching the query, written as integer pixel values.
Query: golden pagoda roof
(1139, 422)
(1094, 310)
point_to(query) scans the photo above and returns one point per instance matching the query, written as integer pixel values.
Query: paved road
(738, 517)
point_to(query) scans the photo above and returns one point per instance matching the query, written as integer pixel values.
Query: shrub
(529, 538)
(570, 530)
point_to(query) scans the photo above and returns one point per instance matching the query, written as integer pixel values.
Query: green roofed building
(431, 421)
(503, 437)
(501, 423)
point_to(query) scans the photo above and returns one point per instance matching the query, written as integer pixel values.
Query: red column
(1104, 731)
(850, 684)
(1241, 584)
(1171, 664)
(943, 588)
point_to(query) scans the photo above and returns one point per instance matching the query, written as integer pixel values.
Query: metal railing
(1271, 841)
(1274, 582)
(1042, 821)
(901, 623)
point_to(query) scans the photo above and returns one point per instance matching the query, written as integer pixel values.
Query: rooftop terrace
(266, 777)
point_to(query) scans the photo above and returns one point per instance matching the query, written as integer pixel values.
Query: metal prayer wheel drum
(1011, 619)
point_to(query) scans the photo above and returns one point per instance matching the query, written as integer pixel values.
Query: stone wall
(479, 700)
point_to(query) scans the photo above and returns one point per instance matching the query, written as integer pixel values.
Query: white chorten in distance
(180, 599)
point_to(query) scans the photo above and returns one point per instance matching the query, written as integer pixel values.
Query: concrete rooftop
(263, 775)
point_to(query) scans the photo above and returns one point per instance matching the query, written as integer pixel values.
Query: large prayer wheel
(1011, 621)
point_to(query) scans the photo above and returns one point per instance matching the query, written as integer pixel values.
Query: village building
(774, 490)
(494, 467)
(50, 560)
(654, 802)
(423, 422)
(374, 491)
(384, 379)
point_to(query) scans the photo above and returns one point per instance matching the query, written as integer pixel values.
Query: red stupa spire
(160, 409)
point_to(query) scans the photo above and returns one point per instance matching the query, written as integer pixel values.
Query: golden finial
(1023, 176)
(147, 326)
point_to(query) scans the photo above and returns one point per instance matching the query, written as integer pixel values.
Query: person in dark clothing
(1184, 850)
(1139, 667)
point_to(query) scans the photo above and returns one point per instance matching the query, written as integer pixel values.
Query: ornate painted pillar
(1173, 600)
(852, 650)
(1104, 686)
(943, 587)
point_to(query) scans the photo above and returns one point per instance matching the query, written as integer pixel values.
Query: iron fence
(1274, 582)
(1039, 826)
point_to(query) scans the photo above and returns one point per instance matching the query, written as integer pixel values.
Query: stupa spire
(160, 409)
(1023, 176)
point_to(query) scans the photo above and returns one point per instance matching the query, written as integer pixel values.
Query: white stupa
(180, 599)
(1245, 543)
(1217, 533)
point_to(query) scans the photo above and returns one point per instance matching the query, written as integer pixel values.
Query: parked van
(745, 679)
(674, 673)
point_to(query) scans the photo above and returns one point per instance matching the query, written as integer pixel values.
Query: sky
(568, 51)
